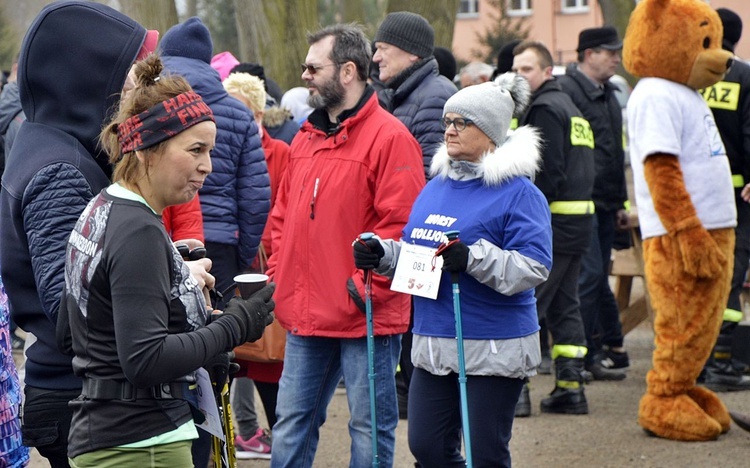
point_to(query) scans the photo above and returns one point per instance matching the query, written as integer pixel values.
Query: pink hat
(149, 44)
(223, 63)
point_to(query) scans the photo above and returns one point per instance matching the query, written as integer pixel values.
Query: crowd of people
(495, 204)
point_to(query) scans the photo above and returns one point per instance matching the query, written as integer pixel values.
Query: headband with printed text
(162, 121)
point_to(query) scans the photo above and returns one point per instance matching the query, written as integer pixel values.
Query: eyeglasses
(313, 69)
(459, 123)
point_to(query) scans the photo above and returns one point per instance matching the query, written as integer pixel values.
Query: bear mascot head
(678, 40)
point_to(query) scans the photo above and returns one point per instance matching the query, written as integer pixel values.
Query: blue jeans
(313, 367)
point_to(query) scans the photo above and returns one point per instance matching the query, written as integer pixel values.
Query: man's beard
(330, 95)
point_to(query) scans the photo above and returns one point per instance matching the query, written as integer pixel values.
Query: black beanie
(505, 57)
(409, 32)
(732, 27)
(446, 62)
(190, 39)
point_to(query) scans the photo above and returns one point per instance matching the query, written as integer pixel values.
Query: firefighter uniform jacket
(567, 175)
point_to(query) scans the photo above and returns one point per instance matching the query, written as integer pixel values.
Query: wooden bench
(626, 265)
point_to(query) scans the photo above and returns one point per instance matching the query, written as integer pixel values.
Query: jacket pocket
(356, 296)
(40, 434)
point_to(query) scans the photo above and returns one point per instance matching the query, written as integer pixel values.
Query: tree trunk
(441, 14)
(160, 15)
(274, 35)
(617, 13)
(252, 29)
(191, 8)
(354, 12)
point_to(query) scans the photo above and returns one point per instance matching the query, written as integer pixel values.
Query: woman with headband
(131, 314)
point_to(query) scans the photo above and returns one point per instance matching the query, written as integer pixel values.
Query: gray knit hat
(407, 31)
(492, 105)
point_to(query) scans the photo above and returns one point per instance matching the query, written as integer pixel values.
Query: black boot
(523, 405)
(568, 396)
(719, 374)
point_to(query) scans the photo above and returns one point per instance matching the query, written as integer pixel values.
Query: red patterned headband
(162, 121)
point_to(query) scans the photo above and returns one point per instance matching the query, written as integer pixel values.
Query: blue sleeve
(528, 229)
(253, 196)
(52, 203)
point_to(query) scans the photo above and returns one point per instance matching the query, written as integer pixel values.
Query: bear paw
(712, 405)
(677, 418)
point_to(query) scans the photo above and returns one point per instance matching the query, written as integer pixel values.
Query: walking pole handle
(453, 236)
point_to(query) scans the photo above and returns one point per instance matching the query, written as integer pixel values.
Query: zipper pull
(315, 195)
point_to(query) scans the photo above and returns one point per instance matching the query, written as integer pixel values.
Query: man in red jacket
(353, 168)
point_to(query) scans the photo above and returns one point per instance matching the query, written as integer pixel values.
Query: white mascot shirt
(667, 117)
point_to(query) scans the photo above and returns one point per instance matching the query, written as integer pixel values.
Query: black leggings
(268, 392)
(435, 419)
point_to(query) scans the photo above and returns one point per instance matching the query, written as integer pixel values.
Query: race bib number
(418, 271)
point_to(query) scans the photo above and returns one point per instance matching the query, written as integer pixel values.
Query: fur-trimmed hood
(275, 116)
(519, 156)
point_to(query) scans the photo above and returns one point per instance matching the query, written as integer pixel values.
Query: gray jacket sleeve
(388, 263)
(506, 271)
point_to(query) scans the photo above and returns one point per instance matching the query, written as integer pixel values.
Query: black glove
(367, 253)
(455, 257)
(218, 370)
(253, 314)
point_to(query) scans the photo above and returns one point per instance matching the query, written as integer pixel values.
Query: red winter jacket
(364, 177)
(184, 221)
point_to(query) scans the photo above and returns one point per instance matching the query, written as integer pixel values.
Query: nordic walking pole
(453, 236)
(370, 353)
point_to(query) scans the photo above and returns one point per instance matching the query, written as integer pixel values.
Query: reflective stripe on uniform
(569, 351)
(569, 384)
(572, 207)
(738, 181)
(731, 315)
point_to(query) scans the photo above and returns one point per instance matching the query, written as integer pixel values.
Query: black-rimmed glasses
(313, 69)
(459, 123)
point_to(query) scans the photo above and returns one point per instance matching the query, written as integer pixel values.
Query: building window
(575, 6)
(519, 7)
(468, 9)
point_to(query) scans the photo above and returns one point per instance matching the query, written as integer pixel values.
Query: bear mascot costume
(685, 205)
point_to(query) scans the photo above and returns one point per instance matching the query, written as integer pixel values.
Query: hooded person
(69, 79)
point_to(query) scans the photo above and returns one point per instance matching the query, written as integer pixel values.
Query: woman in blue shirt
(482, 187)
